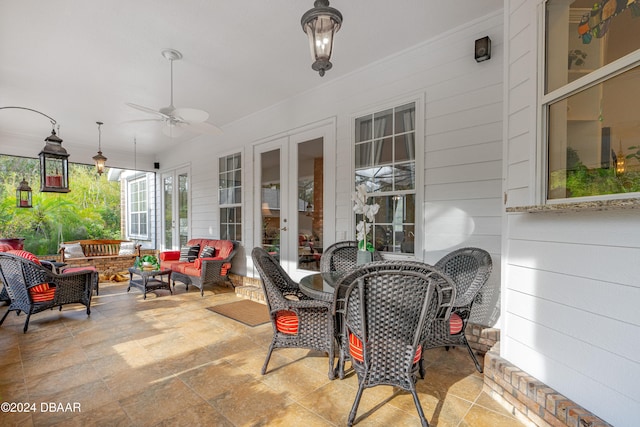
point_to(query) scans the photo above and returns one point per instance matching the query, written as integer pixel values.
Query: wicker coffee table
(148, 280)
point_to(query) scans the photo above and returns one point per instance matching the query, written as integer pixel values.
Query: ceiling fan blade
(191, 115)
(203, 127)
(147, 110)
(143, 120)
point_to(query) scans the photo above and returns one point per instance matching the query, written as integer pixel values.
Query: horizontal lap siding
(463, 158)
(570, 280)
(463, 169)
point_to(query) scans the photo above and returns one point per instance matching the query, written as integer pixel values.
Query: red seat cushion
(287, 322)
(42, 292)
(455, 324)
(355, 348)
(26, 255)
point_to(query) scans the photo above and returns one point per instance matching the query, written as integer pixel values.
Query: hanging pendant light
(23, 195)
(320, 24)
(99, 158)
(54, 166)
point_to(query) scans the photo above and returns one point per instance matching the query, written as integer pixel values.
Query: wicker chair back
(389, 307)
(342, 256)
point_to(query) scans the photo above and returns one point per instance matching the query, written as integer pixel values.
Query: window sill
(598, 205)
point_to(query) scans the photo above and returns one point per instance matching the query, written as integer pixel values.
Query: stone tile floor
(168, 361)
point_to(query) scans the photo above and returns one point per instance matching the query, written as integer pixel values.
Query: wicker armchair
(470, 269)
(298, 321)
(20, 275)
(445, 289)
(342, 256)
(388, 313)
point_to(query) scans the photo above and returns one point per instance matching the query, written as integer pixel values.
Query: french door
(293, 193)
(176, 207)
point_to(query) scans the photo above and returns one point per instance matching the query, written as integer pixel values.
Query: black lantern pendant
(54, 166)
(23, 195)
(320, 24)
(99, 158)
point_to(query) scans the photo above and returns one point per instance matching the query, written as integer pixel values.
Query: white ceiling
(79, 61)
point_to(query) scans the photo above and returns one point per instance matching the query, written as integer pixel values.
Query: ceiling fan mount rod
(171, 55)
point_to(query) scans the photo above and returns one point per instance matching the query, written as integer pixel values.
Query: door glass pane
(270, 201)
(183, 208)
(309, 204)
(167, 186)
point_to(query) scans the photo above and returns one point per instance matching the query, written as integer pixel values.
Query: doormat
(248, 312)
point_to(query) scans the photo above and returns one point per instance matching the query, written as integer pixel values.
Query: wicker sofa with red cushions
(202, 270)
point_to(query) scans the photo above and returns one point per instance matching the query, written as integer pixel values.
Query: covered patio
(498, 154)
(167, 360)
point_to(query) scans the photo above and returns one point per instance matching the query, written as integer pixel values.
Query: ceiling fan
(176, 120)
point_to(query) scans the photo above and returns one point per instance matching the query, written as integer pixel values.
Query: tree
(91, 210)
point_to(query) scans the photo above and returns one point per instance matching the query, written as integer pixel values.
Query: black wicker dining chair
(33, 288)
(342, 256)
(446, 291)
(298, 321)
(470, 269)
(388, 312)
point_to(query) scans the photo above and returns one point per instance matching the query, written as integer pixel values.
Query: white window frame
(419, 227)
(594, 78)
(130, 212)
(238, 203)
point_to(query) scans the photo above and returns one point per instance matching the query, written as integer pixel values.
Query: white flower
(369, 212)
(362, 229)
(360, 199)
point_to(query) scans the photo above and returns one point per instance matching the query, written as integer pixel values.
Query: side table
(148, 280)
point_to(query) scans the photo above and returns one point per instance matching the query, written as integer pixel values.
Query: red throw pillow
(287, 322)
(26, 255)
(355, 348)
(455, 324)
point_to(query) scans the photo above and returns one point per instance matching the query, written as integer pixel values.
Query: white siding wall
(463, 149)
(570, 281)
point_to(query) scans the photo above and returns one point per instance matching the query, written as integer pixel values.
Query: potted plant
(150, 261)
(368, 212)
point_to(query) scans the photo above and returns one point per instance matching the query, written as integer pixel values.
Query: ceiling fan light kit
(177, 120)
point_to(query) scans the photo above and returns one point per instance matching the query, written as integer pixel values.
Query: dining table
(321, 286)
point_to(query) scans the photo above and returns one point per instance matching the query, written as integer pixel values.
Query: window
(138, 208)
(230, 194)
(592, 98)
(385, 161)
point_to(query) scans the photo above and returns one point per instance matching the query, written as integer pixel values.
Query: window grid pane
(138, 214)
(385, 162)
(230, 196)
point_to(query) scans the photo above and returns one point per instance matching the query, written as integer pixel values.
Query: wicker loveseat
(202, 270)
